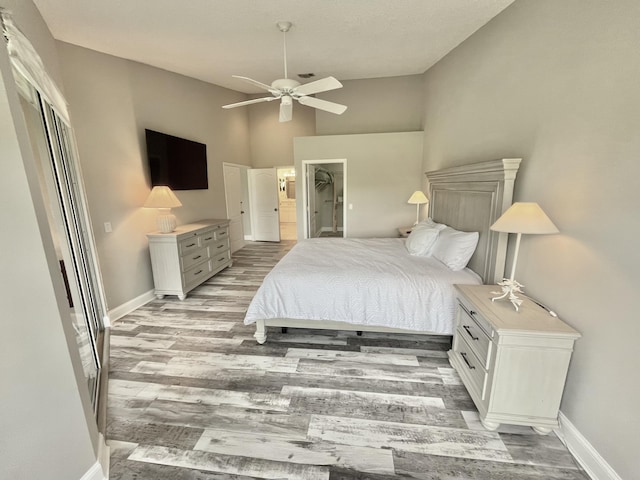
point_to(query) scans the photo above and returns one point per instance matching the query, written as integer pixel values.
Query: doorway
(287, 202)
(235, 198)
(325, 198)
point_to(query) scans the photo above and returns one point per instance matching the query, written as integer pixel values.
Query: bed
(374, 284)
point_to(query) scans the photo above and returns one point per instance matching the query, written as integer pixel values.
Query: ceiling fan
(287, 90)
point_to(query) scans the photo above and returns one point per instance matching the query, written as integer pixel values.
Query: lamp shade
(162, 197)
(418, 198)
(524, 217)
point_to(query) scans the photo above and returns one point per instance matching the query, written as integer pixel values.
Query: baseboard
(589, 459)
(130, 306)
(104, 456)
(95, 473)
(248, 238)
(330, 229)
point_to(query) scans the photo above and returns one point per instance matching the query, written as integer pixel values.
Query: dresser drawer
(469, 327)
(222, 233)
(194, 257)
(196, 274)
(472, 367)
(189, 244)
(219, 246)
(220, 259)
(208, 237)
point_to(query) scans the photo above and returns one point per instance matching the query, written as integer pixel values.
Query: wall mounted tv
(178, 163)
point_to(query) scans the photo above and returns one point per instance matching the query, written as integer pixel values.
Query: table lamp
(418, 198)
(521, 217)
(164, 200)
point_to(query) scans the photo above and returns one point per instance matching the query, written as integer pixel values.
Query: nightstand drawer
(469, 326)
(472, 367)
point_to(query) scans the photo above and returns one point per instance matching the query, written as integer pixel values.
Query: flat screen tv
(176, 162)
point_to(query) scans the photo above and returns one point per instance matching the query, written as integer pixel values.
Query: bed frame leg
(284, 329)
(261, 332)
(359, 333)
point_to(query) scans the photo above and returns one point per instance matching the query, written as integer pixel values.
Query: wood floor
(192, 396)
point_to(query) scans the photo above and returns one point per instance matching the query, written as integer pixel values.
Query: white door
(233, 195)
(312, 212)
(263, 194)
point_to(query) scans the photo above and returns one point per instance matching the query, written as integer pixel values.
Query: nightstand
(514, 364)
(405, 231)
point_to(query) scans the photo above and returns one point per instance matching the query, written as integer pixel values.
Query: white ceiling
(213, 39)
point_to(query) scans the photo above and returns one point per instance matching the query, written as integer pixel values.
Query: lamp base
(166, 222)
(509, 289)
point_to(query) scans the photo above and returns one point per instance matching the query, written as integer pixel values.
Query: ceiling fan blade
(249, 102)
(323, 105)
(256, 83)
(286, 109)
(322, 85)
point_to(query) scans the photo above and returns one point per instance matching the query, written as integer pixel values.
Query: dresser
(514, 364)
(185, 258)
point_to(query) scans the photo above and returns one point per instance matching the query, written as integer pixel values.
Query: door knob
(275, 209)
(241, 211)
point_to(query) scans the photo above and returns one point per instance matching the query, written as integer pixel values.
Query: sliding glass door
(61, 186)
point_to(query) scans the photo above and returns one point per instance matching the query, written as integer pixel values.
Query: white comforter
(361, 281)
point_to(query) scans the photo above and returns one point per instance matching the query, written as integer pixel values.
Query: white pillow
(422, 237)
(455, 248)
(427, 222)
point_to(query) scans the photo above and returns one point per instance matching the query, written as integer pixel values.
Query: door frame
(305, 193)
(244, 194)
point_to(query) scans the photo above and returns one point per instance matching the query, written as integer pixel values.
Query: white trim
(130, 306)
(587, 456)
(305, 193)
(95, 473)
(248, 238)
(104, 455)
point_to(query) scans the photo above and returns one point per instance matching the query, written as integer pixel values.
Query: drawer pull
(464, 357)
(208, 238)
(466, 328)
(472, 312)
(221, 259)
(220, 246)
(197, 257)
(198, 272)
(191, 245)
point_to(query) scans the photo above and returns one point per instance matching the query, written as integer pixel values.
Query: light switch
(351, 206)
(107, 227)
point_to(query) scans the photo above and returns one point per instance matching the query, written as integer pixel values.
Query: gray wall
(112, 101)
(376, 105)
(47, 430)
(557, 84)
(383, 170)
(271, 142)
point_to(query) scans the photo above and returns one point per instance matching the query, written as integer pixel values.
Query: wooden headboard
(471, 198)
